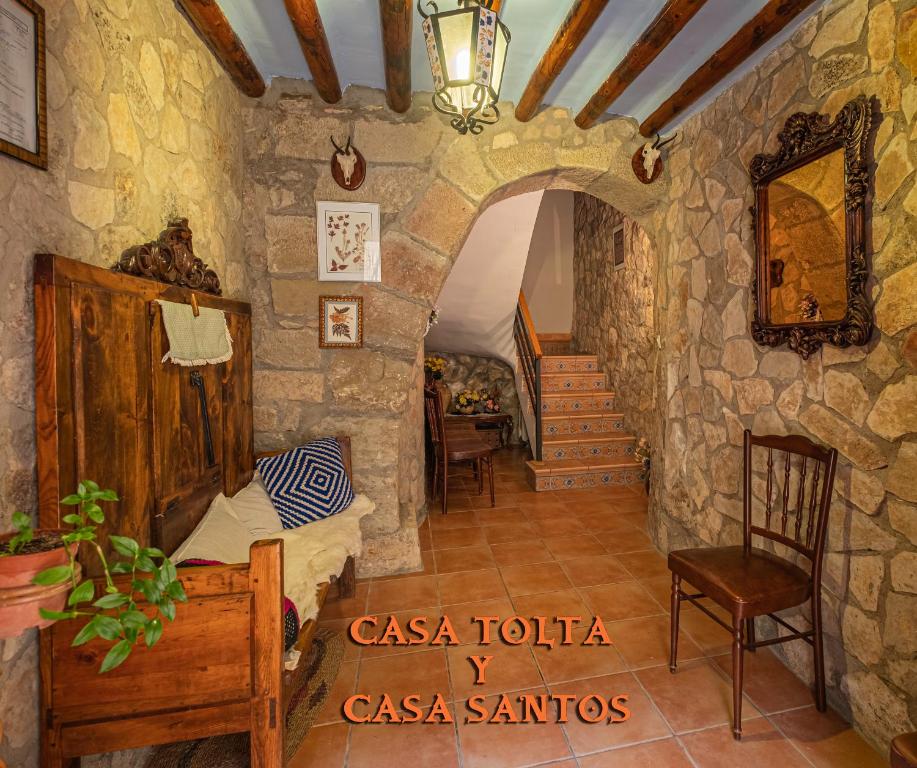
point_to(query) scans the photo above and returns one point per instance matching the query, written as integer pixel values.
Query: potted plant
(23, 556)
(108, 607)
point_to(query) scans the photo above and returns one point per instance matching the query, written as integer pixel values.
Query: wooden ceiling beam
(307, 22)
(570, 34)
(207, 18)
(397, 27)
(663, 29)
(771, 20)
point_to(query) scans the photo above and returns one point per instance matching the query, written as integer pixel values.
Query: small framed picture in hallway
(617, 247)
(341, 322)
(349, 242)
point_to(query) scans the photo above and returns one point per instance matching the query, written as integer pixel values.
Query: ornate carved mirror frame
(804, 139)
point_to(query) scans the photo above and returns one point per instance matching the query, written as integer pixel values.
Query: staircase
(580, 438)
(583, 441)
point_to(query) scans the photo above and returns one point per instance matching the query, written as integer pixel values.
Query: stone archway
(433, 185)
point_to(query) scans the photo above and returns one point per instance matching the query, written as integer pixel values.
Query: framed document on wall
(23, 100)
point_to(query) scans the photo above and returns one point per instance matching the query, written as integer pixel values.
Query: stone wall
(614, 310)
(477, 373)
(431, 184)
(716, 381)
(143, 125)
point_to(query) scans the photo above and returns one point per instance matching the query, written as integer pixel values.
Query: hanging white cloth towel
(202, 340)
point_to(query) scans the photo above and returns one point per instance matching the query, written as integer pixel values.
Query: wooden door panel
(238, 424)
(110, 390)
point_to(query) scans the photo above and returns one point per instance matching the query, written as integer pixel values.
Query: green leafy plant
(24, 535)
(114, 616)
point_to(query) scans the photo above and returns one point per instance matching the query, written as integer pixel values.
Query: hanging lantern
(467, 49)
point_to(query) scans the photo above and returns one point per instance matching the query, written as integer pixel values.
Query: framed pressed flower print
(341, 322)
(349, 242)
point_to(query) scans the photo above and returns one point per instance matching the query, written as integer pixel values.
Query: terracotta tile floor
(563, 553)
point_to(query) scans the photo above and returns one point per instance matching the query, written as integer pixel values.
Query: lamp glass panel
(501, 44)
(458, 46)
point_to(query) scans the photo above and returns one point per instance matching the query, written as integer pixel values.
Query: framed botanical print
(340, 321)
(23, 87)
(349, 242)
(617, 246)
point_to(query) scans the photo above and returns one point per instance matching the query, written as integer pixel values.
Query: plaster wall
(548, 283)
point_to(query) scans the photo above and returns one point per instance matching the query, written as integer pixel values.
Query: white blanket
(312, 553)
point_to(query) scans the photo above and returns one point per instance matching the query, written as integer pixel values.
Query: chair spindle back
(436, 419)
(802, 526)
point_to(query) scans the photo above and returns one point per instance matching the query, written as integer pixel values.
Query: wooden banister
(529, 325)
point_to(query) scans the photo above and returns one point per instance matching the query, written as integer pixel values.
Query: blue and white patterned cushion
(308, 483)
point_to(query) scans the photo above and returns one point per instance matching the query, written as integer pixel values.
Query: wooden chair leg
(676, 608)
(737, 678)
(480, 474)
(435, 476)
(750, 635)
(818, 648)
(445, 471)
(490, 475)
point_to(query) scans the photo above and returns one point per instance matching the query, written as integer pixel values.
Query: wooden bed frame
(108, 409)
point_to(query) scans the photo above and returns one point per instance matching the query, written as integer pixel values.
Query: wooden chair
(903, 752)
(453, 447)
(749, 581)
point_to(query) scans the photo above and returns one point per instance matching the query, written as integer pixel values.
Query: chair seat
(747, 584)
(904, 751)
(465, 448)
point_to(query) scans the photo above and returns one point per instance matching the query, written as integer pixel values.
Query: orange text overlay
(506, 708)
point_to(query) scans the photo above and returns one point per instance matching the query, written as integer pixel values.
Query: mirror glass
(807, 271)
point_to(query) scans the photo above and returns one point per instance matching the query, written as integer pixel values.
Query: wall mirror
(810, 232)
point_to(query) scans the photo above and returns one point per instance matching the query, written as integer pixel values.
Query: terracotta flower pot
(20, 599)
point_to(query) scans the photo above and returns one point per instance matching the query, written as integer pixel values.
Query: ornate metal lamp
(467, 49)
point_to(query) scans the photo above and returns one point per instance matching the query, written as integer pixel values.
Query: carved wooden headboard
(109, 410)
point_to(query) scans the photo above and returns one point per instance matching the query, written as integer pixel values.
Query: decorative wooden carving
(805, 139)
(170, 259)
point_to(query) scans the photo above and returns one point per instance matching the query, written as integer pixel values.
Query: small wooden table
(494, 428)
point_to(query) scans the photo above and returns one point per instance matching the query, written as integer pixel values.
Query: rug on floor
(312, 685)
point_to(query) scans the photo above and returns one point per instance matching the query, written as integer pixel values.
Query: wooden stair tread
(571, 357)
(611, 437)
(590, 414)
(568, 466)
(570, 374)
(579, 393)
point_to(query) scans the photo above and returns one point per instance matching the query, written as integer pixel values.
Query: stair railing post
(538, 435)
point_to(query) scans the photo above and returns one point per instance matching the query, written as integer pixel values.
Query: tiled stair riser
(606, 450)
(586, 479)
(571, 403)
(582, 426)
(573, 382)
(569, 365)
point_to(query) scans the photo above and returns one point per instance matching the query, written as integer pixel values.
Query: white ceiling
(354, 34)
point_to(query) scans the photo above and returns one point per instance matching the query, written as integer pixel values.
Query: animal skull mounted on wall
(348, 166)
(647, 161)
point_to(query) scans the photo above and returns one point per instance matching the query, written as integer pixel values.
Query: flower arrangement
(467, 400)
(490, 400)
(434, 366)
